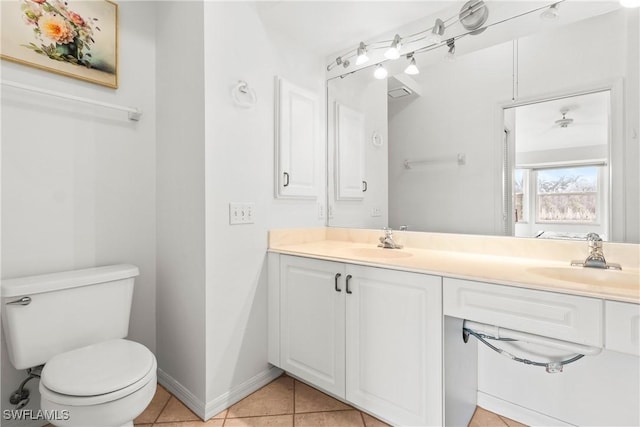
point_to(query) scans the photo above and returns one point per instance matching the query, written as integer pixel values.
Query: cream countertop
(527, 263)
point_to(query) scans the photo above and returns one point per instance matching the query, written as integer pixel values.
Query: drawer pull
(335, 283)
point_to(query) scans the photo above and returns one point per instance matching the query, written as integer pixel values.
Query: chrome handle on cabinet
(286, 179)
(347, 283)
(335, 284)
(21, 301)
(365, 186)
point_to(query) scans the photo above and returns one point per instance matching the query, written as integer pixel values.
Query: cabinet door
(350, 153)
(296, 141)
(394, 345)
(312, 321)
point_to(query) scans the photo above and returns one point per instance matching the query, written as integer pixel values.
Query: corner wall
(240, 168)
(180, 214)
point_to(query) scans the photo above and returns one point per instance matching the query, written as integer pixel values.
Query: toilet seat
(97, 373)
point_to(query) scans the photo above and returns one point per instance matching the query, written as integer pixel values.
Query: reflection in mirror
(560, 166)
(445, 164)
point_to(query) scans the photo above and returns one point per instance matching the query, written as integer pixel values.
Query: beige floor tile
(158, 402)
(176, 411)
(210, 423)
(329, 419)
(270, 421)
(512, 423)
(222, 415)
(369, 421)
(484, 418)
(276, 398)
(308, 399)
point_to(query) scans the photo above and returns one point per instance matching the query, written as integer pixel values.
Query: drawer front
(622, 327)
(565, 317)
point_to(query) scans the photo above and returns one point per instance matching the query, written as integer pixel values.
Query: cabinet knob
(335, 284)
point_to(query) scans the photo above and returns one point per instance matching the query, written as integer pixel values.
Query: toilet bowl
(74, 323)
(102, 385)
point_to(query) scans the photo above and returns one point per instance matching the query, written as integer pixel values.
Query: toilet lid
(98, 368)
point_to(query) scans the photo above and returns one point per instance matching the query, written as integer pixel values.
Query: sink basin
(589, 276)
(377, 253)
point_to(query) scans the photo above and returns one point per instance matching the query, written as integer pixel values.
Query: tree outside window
(567, 195)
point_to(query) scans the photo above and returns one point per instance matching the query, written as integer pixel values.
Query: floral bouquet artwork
(78, 38)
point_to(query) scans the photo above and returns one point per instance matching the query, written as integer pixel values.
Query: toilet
(74, 323)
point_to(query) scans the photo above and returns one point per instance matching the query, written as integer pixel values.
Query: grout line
(293, 416)
(363, 421)
(163, 407)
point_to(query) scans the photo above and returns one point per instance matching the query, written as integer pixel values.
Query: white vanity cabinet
(368, 335)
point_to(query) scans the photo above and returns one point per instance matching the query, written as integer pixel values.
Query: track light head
(435, 36)
(362, 54)
(412, 68)
(394, 51)
(552, 13)
(380, 72)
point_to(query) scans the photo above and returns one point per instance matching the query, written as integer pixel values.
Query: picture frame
(74, 38)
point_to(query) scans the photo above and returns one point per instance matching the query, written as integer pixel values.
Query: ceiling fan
(565, 121)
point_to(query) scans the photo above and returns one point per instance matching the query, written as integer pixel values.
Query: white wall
(452, 116)
(180, 199)
(460, 106)
(78, 183)
(239, 158)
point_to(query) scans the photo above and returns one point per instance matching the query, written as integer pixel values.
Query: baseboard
(241, 391)
(182, 393)
(518, 413)
(221, 402)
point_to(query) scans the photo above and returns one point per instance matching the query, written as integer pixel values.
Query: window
(567, 195)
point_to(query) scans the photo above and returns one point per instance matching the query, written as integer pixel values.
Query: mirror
(435, 153)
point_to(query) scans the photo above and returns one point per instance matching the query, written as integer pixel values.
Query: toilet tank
(53, 313)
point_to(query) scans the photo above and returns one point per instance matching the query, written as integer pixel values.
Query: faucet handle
(388, 231)
(594, 237)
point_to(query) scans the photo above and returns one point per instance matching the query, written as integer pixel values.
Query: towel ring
(243, 95)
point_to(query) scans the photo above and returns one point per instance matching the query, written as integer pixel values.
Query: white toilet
(74, 323)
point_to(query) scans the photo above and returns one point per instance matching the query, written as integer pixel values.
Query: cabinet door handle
(335, 283)
(364, 186)
(347, 283)
(286, 179)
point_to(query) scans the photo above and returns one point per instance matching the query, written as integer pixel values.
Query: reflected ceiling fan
(565, 121)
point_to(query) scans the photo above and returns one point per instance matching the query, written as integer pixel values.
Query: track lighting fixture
(551, 14)
(630, 3)
(435, 36)
(380, 72)
(412, 68)
(362, 54)
(394, 50)
(451, 54)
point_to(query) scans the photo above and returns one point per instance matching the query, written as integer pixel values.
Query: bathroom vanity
(382, 328)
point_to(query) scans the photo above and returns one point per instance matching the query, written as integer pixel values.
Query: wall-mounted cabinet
(370, 336)
(296, 136)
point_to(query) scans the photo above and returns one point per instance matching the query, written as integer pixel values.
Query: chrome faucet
(595, 259)
(387, 241)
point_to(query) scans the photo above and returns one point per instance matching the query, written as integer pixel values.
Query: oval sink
(589, 276)
(377, 253)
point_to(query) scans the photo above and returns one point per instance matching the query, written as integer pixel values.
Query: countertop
(486, 266)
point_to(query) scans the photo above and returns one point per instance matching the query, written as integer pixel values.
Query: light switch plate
(241, 213)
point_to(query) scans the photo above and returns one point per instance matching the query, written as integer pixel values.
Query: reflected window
(567, 195)
(520, 195)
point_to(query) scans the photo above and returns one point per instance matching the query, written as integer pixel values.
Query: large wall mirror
(532, 133)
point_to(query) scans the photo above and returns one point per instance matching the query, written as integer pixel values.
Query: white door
(297, 133)
(394, 344)
(312, 332)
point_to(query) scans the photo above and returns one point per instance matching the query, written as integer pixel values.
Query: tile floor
(283, 402)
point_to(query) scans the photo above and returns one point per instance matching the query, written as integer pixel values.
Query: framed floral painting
(76, 38)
